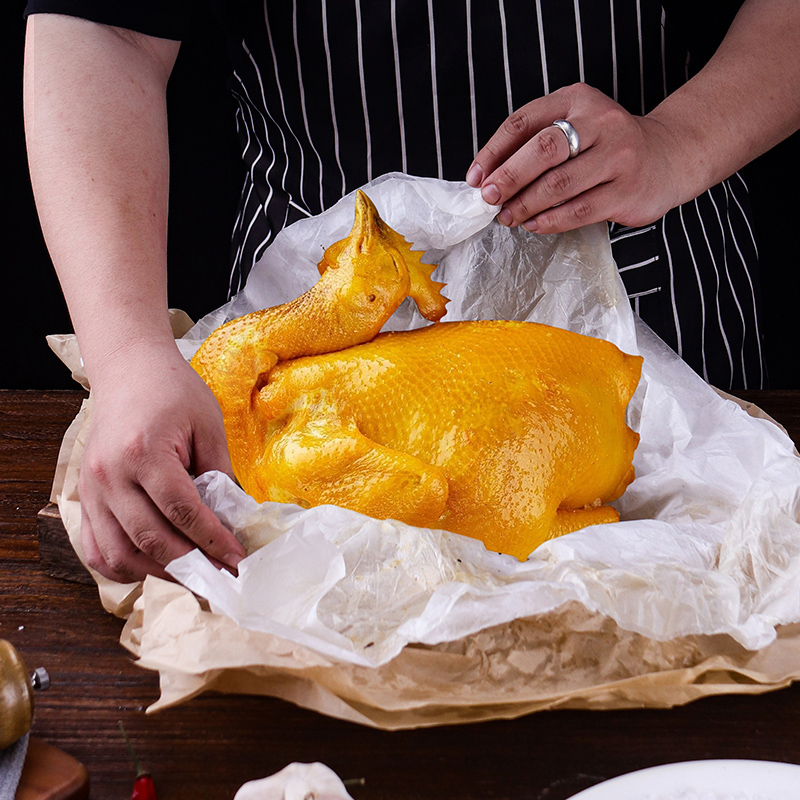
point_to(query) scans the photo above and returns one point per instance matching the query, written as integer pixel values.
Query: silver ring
(572, 136)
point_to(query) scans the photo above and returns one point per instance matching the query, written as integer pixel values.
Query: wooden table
(208, 747)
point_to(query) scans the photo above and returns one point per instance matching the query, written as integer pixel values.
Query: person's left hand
(626, 170)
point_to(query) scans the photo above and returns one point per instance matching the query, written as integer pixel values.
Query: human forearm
(95, 111)
(743, 102)
(96, 125)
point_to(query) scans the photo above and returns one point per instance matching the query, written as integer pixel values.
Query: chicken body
(508, 432)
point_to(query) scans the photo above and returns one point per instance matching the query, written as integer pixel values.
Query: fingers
(521, 129)
(544, 151)
(135, 528)
(211, 450)
(585, 209)
(141, 540)
(140, 536)
(566, 196)
(177, 500)
(118, 560)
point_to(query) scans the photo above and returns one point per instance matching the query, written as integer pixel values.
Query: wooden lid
(16, 696)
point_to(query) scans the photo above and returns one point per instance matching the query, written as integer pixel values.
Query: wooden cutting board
(51, 774)
(56, 555)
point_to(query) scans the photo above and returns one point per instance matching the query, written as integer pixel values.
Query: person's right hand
(155, 424)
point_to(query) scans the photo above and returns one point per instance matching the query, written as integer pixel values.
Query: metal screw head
(40, 679)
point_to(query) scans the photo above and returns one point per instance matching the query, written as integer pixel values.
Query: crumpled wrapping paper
(694, 592)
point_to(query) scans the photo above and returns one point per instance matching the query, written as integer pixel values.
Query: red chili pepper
(143, 786)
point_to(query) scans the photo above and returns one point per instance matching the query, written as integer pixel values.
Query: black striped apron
(332, 93)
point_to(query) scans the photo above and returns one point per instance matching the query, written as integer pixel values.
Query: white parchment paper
(709, 541)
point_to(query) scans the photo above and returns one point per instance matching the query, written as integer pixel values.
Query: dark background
(205, 181)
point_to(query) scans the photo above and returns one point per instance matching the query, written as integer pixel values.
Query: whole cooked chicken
(510, 432)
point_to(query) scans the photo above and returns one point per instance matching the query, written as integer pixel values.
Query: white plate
(703, 780)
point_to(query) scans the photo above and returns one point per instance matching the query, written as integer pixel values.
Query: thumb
(211, 452)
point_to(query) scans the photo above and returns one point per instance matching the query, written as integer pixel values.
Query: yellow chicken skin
(508, 432)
